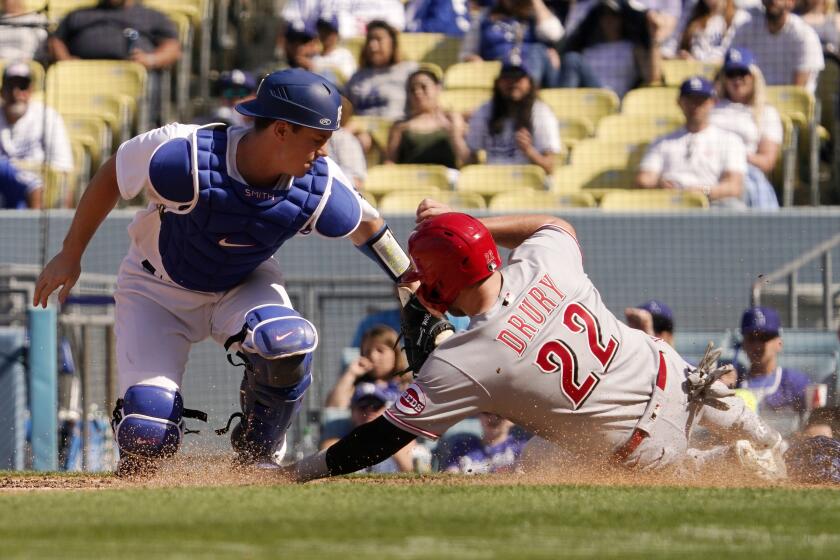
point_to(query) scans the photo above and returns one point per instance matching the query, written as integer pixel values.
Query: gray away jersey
(549, 356)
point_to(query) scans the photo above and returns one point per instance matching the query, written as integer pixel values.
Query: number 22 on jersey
(557, 355)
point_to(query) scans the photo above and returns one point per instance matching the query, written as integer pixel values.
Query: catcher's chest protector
(233, 227)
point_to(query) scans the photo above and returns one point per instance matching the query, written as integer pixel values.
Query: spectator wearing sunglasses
(742, 110)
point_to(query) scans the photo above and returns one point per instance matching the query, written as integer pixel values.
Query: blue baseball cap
(657, 309)
(697, 85)
(738, 59)
(296, 96)
(328, 21)
(366, 392)
(237, 78)
(761, 321)
(300, 31)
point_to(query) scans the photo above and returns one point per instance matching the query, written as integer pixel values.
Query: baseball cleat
(767, 464)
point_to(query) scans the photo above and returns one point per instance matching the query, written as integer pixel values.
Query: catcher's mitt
(421, 332)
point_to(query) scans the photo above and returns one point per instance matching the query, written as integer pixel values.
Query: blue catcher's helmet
(298, 97)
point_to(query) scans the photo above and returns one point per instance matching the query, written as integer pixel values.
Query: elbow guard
(383, 249)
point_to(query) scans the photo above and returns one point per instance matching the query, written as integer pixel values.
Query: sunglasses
(19, 83)
(732, 74)
(234, 93)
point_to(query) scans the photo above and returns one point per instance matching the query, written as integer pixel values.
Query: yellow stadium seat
(383, 179)
(653, 199)
(463, 200)
(574, 129)
(415, 46)
(95, 129)
(492, 179)
(793, 101)
(592, 178)
(34, 5)
(113, 109)
(377, 127)
(476, 74)
(58, 185)
(465, 100)
(676, 70)
(406, 201)
(636, 128)
(588, 103)
(115, 77)
(533, 200)
(38, 73)
(600, 152)
(652, 101)
(444, 53)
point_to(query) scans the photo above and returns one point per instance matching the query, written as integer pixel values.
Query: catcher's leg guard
(276, 345)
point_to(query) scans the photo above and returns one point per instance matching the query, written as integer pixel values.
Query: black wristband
(365, 446)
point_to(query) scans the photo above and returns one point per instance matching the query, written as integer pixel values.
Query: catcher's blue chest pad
(233, 227)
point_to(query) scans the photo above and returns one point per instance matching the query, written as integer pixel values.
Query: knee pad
(148, 420)
(278, 344)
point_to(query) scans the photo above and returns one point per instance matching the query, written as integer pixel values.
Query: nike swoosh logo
(279, 338)
(225, 243)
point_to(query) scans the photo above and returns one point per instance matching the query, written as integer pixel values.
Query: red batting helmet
(450, 252)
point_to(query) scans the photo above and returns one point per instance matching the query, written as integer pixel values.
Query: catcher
(543, 350)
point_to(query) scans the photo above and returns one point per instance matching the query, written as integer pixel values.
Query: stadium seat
(648, 101)
(58, 185)
(574, 129)
(465, 100)
(94, 130)
(533, 200)
(594, 179)
(38, 73)
(652, 199)
(587, 103)
(676, 70)
(112, 109)
(477, 74)
(601, 152)
(636, 128)
(436, 48)
(463, 200)
(107, 77)
(794, 101)
(382, 179)
(377, 127)
(405, 201)
(493, 179)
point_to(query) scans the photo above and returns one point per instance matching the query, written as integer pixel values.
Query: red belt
(638, 436)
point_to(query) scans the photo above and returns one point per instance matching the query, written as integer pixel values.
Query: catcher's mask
(450, 252)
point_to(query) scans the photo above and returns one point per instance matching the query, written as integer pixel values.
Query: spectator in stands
(699, 156)
(353, 16)
(661, 17)
(18, 189)
(333, 57)
(519, 32)
(346, 150)
(496, 451)
(301, 49)
(787, 49)
(823, 421)
(232, 87)
(450, 17)
(429, 134)
(378, 86)
(741, 110)
(117, 29)
(515, 127)
(368, 403)
(611, 48)
(779, 391)
(23, 33)
(30, 132)
(381, 362)
(707, 32)
(654, 318)
(822, 16)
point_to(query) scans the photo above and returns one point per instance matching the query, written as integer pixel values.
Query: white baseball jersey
(740, 119)
(549, 356)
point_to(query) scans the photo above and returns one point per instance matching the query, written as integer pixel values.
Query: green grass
(372, 520)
